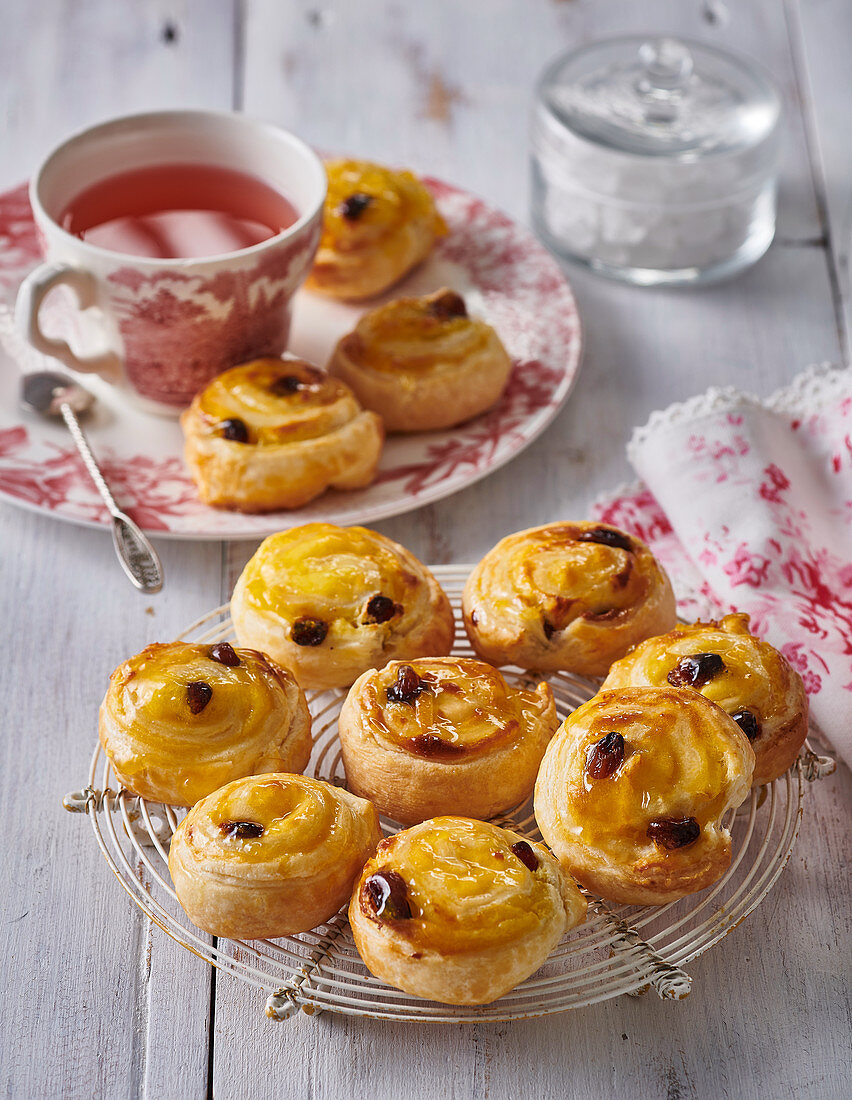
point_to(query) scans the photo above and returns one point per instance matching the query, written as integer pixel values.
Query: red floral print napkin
(748, 505)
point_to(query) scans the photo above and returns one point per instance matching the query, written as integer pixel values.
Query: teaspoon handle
(85, 450)
(137, 556)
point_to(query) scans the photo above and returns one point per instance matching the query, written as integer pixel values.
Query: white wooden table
(98, 1003)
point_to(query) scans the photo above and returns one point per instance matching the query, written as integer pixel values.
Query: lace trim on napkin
(811, 390)
(807, 393)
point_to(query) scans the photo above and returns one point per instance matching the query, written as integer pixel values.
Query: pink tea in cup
(183, 237)
(178, 211)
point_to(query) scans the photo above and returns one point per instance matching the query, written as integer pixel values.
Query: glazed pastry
(181, 719)
(460, 911)
(270, 855)
(443, 735)
(633, 789)
(330, 602)
(572, 596)
(422, 363)
(378, 224)
(747, 677)
(275, 433)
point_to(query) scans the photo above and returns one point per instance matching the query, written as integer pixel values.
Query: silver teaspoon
(52, 394)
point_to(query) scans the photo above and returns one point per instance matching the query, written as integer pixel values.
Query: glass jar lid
(661, 97)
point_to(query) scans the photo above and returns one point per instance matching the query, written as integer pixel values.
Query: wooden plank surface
(446, 87)
(86, 1011)
(98, 1004)
(825, 77)
(89, 1006)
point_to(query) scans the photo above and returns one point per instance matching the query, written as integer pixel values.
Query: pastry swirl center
(327, 573)
(294, 815)
(462, 707)
(466, 887)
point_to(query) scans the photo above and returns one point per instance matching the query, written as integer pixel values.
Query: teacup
(166, 327)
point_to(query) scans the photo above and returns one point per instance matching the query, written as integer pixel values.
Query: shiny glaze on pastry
(443, 735)
(460, 911)
(330, 602)
(633, 788)
(571, 596)
(270, 855)
(275, 433)
(181, 719)
(752, 682)
(378, 224)
(423, 363)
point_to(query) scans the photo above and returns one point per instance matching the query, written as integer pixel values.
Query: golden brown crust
(327, 575)
(572, 596)
(271, 855)
(422, 363)
(177, 723)
(466, 743)
(300, 433)
(471, 915)
(633, 789)
(755, 683)
(378, 224)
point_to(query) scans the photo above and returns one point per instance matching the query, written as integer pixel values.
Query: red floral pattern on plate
(19, 247)
(55, 477)
(511, 280)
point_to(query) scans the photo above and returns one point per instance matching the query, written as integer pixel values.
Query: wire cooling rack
(620, 949)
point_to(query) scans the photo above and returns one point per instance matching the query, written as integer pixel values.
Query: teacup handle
(34, 289)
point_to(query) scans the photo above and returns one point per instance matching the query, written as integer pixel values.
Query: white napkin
(748, 504)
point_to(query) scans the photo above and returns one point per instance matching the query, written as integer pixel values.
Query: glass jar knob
(667, 70)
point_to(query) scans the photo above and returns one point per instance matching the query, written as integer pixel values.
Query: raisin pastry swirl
(747, 677)
(330, 602)
(270, 855)
(460, 911)
(276, 433)
(443, 735)
(180, 719)
(572, 596)
(633, 789)
(378, 224)
(423, 363)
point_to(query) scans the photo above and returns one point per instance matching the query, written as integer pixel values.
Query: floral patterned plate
(505, 276)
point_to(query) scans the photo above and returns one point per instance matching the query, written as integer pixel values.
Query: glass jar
(655, 161)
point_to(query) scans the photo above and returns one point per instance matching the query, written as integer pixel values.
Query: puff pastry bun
(460, 911)
(180, 719)
(747, 677)
(275, 433)
(270, 855)
(422, 363)
(572, 596)
(378, 224)
(330, 602)
(443, 735)
(633, 788)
